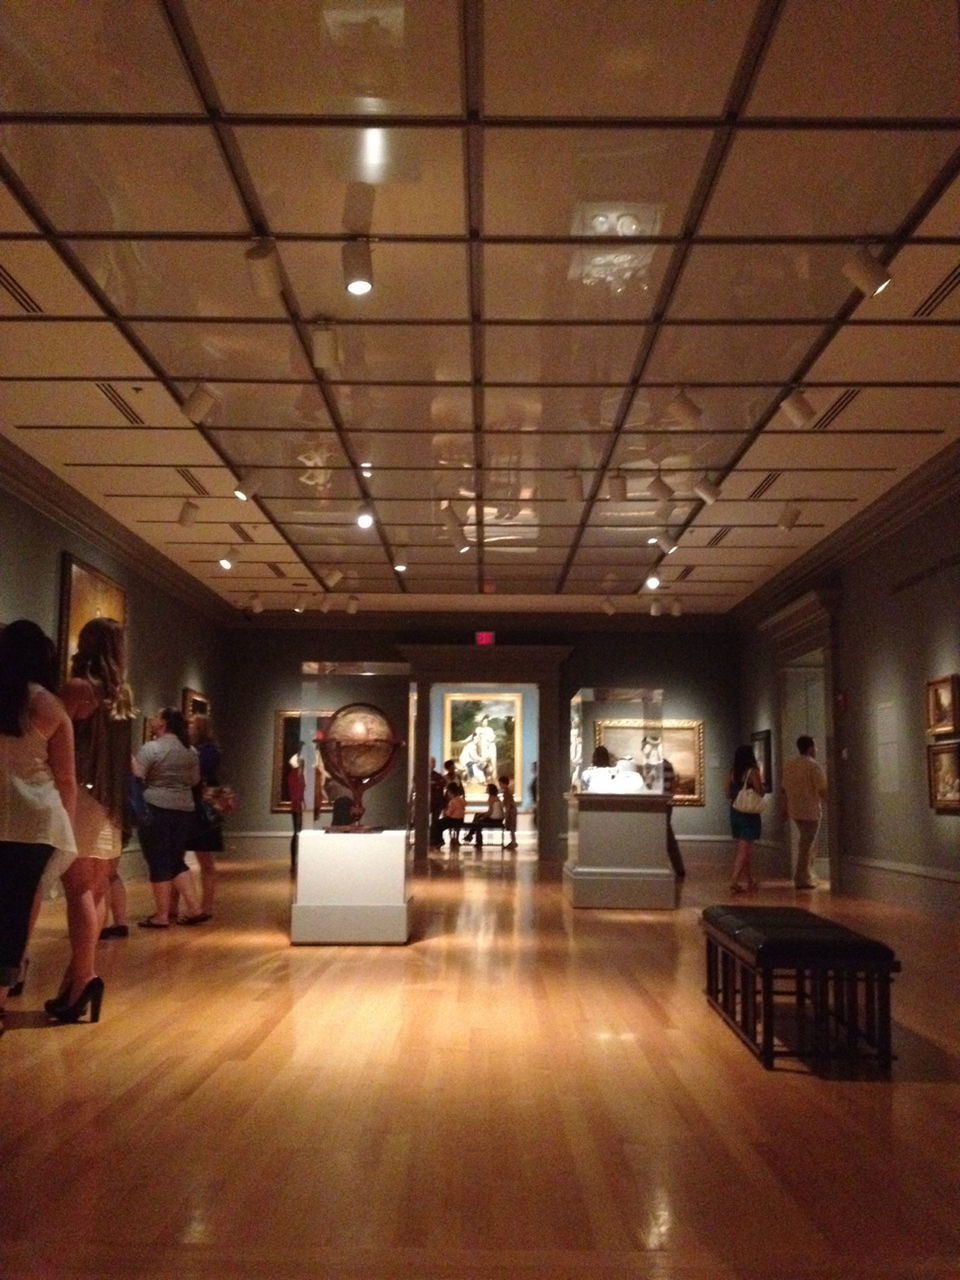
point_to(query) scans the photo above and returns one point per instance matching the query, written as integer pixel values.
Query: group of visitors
(66, 794)
(448, 810)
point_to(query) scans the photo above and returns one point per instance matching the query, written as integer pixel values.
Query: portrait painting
(943, 776)
(679, 741)
(481, 734)
(194, 703)
(763, 750)
(294, 733)
(943, 704)
(85, 593)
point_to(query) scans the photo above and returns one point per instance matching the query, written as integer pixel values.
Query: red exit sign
(485, 637)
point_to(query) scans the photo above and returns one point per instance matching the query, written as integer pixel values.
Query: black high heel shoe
(17, 988)
(92, 995)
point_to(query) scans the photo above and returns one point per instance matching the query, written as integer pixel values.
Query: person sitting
(509, 810)
(492, 816)
(453, 816)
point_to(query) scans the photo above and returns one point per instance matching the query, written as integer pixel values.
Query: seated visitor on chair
(453, 817)
(509, 810)
(492, 816)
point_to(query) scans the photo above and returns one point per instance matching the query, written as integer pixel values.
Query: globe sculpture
(359, 748)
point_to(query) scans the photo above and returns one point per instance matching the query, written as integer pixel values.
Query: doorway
(803, 705)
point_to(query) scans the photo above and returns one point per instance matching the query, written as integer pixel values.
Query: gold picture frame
(85, 593)
(682, 745)
(482, 735)
(194, 703)
(943, 776)
(292, 729)
(943, 705)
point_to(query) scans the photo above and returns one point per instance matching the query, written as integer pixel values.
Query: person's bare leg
(161, 901)
(80, 883)
(208, 880)
(741, 866)
(116, 893)
(183, 883)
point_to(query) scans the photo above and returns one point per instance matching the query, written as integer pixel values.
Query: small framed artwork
(943, 776)
(763, 750)
(85, 593)
(194, 703)
(943, 697)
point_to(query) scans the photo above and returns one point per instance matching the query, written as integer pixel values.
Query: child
(509, 810)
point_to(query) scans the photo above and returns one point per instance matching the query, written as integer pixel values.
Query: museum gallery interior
(559, 375)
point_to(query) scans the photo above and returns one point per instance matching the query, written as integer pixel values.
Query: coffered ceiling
(608, 239)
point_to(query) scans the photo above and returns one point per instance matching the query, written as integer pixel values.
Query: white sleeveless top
(31, 811)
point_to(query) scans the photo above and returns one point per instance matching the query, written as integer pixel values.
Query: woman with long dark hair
(170, 770)
(38, 790)
(744, 827)
(99, 702)
(206, 838)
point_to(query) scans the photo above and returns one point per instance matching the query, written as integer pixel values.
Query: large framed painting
(762, 743)
(481, 734)
(943, 705)
(943, 776)
(681, 744)
(85, 593)
(295, 731)
(194, 703)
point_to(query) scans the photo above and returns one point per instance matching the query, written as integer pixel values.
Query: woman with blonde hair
(98, 701)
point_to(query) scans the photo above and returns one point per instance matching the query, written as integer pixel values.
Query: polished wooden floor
(523, 1091)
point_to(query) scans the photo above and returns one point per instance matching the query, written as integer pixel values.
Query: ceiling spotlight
(685, 409)
(788, 517)
(655, 609)
(353, 604)
(617, 487)
(325, 602)
(666, 544)
(866, 274)
(199, 403)
(706, 491)
(453, 526)
(256, 603)
(608, 607)
(263, 265)
(323, 346)
(228, 559)
(365, 518)
(573, 486)
(798, 409)
(399, 562)
(357, 267)
(676, 609)
(331, 578)
(300, 604)
(659, 489)
(188, 513)
(652, 581)
(246, 486)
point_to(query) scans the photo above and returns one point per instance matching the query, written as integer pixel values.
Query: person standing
(803, 788)
(170, 770)
(207, 835)
(38, 792)
(744, 827)
(673, 847)
(296, 791)
(509, 801)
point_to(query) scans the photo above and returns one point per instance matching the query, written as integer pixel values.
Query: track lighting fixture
(655, 609)
(608, 607)
(652, 581)
(263, 265)
(798, 409)
(357, 267)
(325, 602)
(788, 517)
(199, 404)
(188, 512)
(353, 604)
(706, 491)
(866, 274)
(453, 527)
(676, 609)
(323, 346)
(256, 603)
(229, 558)
(365, 518)
(666, 544)
(617, 487)
(246, 486)
(659, 489)
(300, 604)
(685, 409)
(399, 561)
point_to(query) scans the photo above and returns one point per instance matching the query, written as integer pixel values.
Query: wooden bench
(837, 983)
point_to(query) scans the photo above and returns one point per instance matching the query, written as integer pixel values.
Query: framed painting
(943, 776)
(763, 749)
(85, 593)
(943, 705)
(681, 742)
(481, 734)
(295, 731)
(194, 703)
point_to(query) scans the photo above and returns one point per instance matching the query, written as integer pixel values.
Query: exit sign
(485, 637)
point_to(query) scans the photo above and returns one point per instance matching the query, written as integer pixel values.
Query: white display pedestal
(351, 888)
(618, 852)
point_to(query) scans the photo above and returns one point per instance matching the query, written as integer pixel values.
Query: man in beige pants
(803, 788)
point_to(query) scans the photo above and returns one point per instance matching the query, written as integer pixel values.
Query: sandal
(150, 923)
(201, 918)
